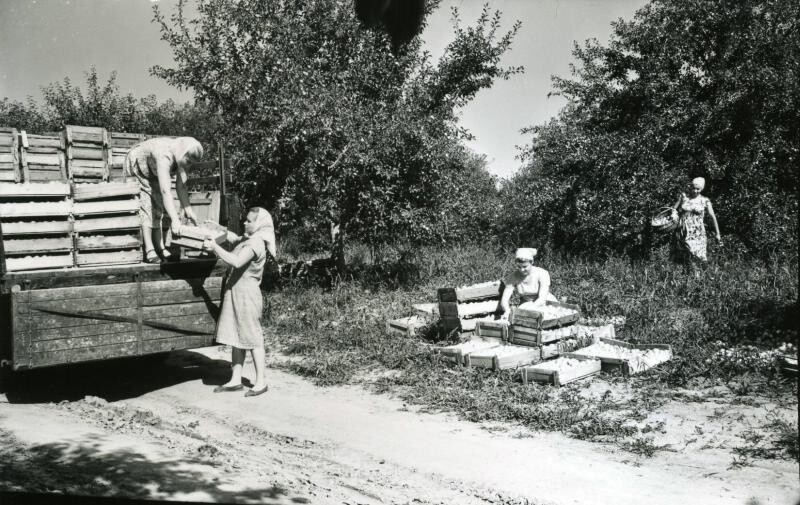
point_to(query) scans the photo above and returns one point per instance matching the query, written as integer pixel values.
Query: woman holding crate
(689, 244)
(239, 322)
(153, 163)
(531, 283)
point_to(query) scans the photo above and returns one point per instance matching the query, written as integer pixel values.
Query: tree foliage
(684, 89)
(329, 124)
(102, 104)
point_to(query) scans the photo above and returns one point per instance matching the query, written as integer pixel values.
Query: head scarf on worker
(263, 228)
(699, 182)
(525, 254)
(188, 148)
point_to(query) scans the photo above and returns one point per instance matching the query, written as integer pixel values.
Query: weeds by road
(723, 327)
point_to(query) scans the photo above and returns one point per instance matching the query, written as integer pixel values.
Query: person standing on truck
(239, 322)
(153, 163)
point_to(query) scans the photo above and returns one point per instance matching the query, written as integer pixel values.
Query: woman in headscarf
(689, 244)
(531, 283)
(153, 163)
(239, 324)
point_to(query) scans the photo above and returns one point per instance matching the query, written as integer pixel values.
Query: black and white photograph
(411, 252)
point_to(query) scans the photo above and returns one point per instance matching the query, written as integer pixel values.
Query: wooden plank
(8, 157)
(208, 283)
(76, 305)
(42, 150)
(108, 258)
(191, 270)
(43, 159)
(82, 171)
(82, 292)
(85, 153)
(182, 342)
(97, 242)
(87, 330)
(38, 262)
(35, 209)
(44, 168)
(63, 344)
(84, 225)
(45, 141)
(8, 175)
(106, 207)
(36, 227)
(42, 176)
(35, 189)
(82, 192)
(37, 245)
(50, 358)
(178, 309)
(87, 134)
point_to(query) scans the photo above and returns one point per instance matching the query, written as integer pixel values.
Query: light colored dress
(528, 292)
(690, 235)
(142, 162)
(239, 322)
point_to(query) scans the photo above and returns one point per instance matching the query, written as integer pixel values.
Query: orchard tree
(102, 104)
(684, 89)
(331, 126)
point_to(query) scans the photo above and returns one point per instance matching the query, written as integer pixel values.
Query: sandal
(151, 257)
(254, 392)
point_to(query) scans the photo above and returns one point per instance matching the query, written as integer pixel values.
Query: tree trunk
(337, 248)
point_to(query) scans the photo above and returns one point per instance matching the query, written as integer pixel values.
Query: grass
(718, 325)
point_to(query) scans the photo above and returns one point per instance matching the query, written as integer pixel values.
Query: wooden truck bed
(64, 316)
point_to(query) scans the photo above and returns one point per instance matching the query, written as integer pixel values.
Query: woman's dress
(239, 322)
(690, 235)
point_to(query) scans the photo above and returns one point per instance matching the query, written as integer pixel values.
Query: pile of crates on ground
(65, 201)
(546, 344)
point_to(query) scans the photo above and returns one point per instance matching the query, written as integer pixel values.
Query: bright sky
(42, 41)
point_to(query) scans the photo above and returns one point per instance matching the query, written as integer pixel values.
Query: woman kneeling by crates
(531, 283)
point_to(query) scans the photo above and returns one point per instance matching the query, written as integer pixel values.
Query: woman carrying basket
(240, 318)
(689, 244)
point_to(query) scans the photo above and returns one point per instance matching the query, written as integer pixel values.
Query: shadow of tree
(88, 470)
(112, 380)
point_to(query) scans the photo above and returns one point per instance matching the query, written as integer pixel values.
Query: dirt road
(159, 432)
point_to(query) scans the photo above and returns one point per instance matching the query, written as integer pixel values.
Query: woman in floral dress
(690, 235)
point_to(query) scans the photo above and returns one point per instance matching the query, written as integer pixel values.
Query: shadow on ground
(87, 470)
(112, 380)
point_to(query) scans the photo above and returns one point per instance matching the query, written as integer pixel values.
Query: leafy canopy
(685, 89)
(329, 124)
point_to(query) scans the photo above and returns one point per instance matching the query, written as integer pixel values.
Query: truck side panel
(71, 324)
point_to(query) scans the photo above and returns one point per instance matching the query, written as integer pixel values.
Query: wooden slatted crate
(539, 319)
(458, 353)
(496, 328)
(42, 158)
(9, 155)
(406, 326)
(504, 357)
(561, 370)
(87, 152)
(628, 358)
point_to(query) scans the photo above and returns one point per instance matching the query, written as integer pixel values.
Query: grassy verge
(722, 326)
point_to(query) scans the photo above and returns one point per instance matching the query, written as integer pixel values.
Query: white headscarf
(188, 146)
(264, 228)
(525, 253)
(701, 181)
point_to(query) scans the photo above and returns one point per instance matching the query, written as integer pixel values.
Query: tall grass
(337, 335)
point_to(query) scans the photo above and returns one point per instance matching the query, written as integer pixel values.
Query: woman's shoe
(256, 392)
(225, 389)
(152, 257)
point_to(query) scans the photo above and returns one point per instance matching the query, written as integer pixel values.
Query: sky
(43, 41)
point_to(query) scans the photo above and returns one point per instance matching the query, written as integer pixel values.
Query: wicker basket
(665, 220)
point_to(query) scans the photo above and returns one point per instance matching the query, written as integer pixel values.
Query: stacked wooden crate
(42, 158)
(460, 308)
(9, 155)
(119, 145)
(87, 153)
(107, 223)
(35, 225)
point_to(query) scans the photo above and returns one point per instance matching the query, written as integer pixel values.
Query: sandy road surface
(159, 432)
